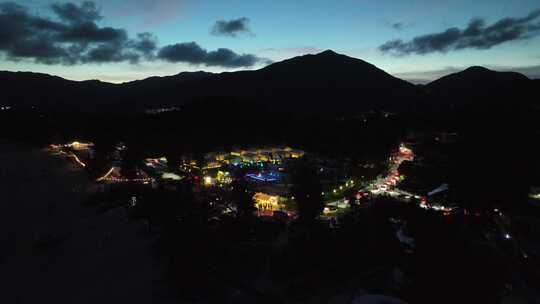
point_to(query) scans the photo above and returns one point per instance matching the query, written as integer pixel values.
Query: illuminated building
(223, 177)
(265, 203)
(212, 165)
(220, 157)
(250, 157)
(273, 155)
(296, 154)
(76, 145)
(156, 162)
(264, 176)
(81, 145)
(171, 176)
(208, 181)
(114, 175)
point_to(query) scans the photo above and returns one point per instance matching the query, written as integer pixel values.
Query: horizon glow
(278, 30)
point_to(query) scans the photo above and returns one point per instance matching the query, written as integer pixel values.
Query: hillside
(479, 86)
(324, 83)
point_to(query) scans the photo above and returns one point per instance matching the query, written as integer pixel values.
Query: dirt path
(55, 249)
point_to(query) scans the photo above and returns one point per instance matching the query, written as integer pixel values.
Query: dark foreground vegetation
(240, 258)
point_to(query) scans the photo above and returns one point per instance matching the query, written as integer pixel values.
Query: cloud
(146, 44)
(475, 36)
(231, 28)
(397, 25)
(192, 53)
(75, 37)
(87, 12)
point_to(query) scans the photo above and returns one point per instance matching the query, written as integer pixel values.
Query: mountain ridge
(180, 74)
(323, 82)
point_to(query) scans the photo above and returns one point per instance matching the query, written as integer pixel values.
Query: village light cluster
(266, 174)
(114, 175)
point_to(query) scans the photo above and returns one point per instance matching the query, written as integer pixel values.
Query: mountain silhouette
(479, 85)
(321, 83)
(478, 80)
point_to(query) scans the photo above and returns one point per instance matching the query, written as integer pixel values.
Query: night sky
(117, 40)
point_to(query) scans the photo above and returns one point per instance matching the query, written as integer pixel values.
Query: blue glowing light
(264, 177)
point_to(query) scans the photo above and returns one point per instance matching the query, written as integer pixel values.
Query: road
(384, 185)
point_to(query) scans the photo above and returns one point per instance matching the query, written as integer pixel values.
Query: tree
(104, 145)
(130, 159)
(99, 164)
(307, 191)
(494, 167)
(243, 200)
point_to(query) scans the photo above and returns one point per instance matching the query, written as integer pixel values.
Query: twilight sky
(121, 40)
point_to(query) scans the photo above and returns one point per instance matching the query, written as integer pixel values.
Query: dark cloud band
(192, 53)
(231, 28)
(75, 37)
(475, 36)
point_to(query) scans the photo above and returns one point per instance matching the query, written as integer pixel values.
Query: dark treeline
(212, 124)
(495, 150)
